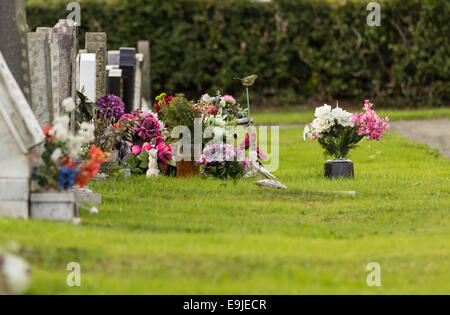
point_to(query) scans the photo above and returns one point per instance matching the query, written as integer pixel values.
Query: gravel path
(435, 133)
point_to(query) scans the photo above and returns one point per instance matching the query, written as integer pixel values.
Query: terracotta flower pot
(187, 169)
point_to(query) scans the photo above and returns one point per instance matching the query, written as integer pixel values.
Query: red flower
(46, 131)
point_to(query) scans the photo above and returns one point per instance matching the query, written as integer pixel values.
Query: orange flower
(46, 131)
(91, 167)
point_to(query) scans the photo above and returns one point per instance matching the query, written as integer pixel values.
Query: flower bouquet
(138, 159)
(179, 111)
(339, 131)
(62, 166)
(223, 161)
(220, 110)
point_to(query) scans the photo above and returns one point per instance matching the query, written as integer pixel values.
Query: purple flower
(110, 105)
(148, 128)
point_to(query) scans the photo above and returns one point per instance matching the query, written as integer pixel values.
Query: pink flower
(147, 146)
(228, 99)
(369, 124)
(136, 149)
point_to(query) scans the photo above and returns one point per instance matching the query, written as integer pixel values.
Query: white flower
(56, 155)
(220, 122)
(344, 118)
(322, 125)
(68, 104)
(74, 144)
(61, 128)
(87, 132)
(323, 112)
(306, 132)
(219, 132)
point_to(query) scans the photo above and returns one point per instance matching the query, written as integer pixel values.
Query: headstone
(66, 36)
(41, 80)
(138, 82)
(115, 82)
(114, 57)
(144, 48)
(13, 41)
(20, 132)
(88, 76)
(54, 59)
(96, 44)
(127, 64)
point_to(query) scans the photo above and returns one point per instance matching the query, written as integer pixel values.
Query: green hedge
(301, 49)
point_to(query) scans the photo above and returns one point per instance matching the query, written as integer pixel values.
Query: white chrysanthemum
(69, 104)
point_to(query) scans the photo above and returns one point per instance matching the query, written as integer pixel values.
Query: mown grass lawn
(294, 116)
(201, 236)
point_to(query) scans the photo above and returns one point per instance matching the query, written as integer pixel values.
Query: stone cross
(138, 82)
(20, 132)
(13, 41)
(127, 64)
(41, 79)
(88, 77)
(144, 48)
(96, 44)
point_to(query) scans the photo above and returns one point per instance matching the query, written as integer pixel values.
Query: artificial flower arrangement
(339, 131)
(220, 110)
(109, 128)
(138, 159)
(223, 161)
(62, 165)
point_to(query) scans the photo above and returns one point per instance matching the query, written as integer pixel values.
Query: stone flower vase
(53, 205)
(338, 168)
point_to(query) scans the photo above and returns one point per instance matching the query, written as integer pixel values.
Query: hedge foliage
(299, 48)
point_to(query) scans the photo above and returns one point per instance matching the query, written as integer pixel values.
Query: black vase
(339, 168)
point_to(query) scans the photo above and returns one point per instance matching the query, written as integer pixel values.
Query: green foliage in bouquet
(179, 112)
(339, 141)
(229, 170)
(86, 108)
(138, 163)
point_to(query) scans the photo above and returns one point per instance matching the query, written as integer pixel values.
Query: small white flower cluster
(325, 119)
(74, 142)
